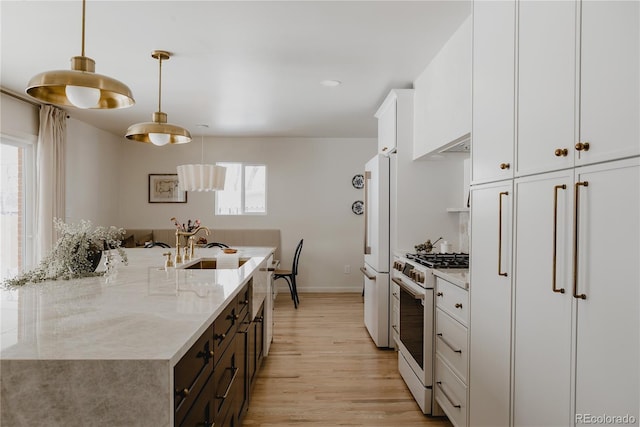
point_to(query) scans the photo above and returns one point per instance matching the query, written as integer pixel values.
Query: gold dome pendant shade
(158, 131)
(80, 87)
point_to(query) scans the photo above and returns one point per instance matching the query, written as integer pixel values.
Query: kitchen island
(102, 350)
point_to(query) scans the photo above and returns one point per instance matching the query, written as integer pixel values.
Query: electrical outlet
(347, 269)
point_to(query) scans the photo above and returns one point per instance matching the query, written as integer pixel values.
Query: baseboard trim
(329, 289)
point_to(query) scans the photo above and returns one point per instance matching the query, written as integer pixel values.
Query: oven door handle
(406, 287)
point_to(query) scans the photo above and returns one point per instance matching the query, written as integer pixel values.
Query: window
(245, 190)
(16, 202)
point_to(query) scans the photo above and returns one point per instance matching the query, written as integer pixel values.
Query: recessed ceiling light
(331, 83)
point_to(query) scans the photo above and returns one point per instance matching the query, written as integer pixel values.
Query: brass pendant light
(80, 87)
(159, 132)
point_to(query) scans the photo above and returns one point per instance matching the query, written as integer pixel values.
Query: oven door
(416, 329)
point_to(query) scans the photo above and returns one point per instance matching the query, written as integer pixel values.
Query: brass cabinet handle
(561, 152)
(502, 193)
(219, 336)
(576, 212)
(555, 237)
(582, 146)
(439, 294)
(367, 248)
(211, 353)
(505, 166)
(448, 344)
(447, 395)
(458, 305)
(385, 148)
(183, 393)
(233, 378)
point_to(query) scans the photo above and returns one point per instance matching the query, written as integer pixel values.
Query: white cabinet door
(493, 124)
(376, 213)
(608, 276)
(387, 123)
(546, 85)
(610, 87)
(543, 302)
(490, 294)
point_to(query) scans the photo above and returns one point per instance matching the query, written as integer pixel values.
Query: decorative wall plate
(357, 207)
(358, 181)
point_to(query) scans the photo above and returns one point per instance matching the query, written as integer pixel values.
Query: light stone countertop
(457, 276)
(139, 312)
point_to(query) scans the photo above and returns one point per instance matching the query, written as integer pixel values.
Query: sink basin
(208, 264)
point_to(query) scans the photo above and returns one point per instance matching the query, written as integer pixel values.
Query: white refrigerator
(376, 250)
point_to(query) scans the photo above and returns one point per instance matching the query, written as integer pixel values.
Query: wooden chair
(290, 275)
(215, 245)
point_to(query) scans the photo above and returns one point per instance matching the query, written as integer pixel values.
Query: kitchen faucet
(189, 249)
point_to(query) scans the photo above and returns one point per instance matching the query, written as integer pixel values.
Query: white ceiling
(245, 68)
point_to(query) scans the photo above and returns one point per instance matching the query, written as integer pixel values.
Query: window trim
(29, 144)
(242, 190)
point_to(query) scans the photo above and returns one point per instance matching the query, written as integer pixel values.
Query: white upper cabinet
(387, 124)
(443, 96)
(609, 82)
(546, 85)
(493, 129)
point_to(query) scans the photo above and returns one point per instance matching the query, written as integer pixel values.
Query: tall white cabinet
(490, 304)
(561, 339)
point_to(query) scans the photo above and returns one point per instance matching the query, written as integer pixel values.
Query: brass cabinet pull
(576, 228)
(446, 395)
(555, 237)
(582, 146)
(183, 393)
(502, 193)
(458, 305)
(219, 336)
(561, 152)
(439, 294)
(233, 378)
(448, 344)
(505, 166)
(367, 248)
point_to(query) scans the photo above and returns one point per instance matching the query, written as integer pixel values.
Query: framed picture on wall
(163, 188)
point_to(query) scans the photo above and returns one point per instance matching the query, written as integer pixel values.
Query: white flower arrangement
(75, 254)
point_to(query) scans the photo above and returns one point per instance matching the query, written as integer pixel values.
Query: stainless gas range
(413, 274)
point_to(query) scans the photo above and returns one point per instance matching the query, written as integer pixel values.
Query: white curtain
(50, 177)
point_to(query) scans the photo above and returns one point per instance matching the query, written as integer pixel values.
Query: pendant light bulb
(159, 139)
(83, 97)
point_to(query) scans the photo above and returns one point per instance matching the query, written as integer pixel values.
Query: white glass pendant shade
(83, 97)
(159, 139)
(201, 177)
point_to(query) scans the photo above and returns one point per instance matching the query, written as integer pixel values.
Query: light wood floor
(324, 370)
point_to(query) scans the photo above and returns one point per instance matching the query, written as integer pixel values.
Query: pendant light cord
(83, 15)
(160, 84)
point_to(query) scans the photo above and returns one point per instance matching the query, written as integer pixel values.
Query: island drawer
(226, 379)
(244, 300)
(202, 412)
(191, 373)
(224, 328)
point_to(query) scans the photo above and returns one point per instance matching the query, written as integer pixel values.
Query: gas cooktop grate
(446, 260)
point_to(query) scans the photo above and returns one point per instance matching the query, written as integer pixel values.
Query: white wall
(92, 170)
(309, 195)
